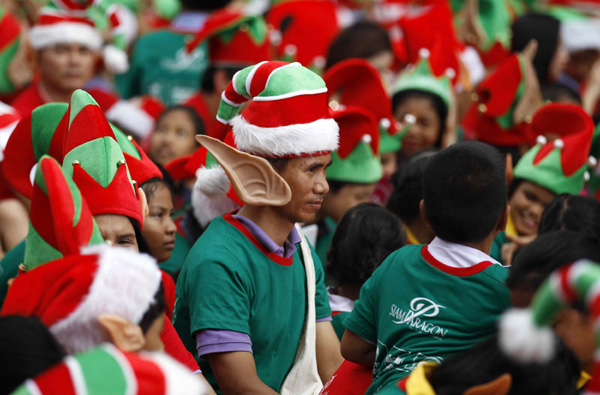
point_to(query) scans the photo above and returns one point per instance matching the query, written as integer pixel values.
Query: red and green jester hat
(95, 161)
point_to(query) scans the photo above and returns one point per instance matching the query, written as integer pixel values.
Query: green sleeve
(336, 322)
(9, 267)
(219, 294)
(496, 251)
(363, 319)
(322, 308)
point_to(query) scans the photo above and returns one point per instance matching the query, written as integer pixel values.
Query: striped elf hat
(10, 38)
(140, 166)
(560, 165)
(357, 159)
(9, 118)
(288, 115)
(357, 83)
(107, 370)
(526, 334)
(69, 294)
(95, 161)
(60, 220)
(39, 133)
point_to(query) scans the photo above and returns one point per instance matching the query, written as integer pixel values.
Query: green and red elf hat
(493, 117)
(560, 165)
(140, 166)
(287, 117)
(69, 294)
(39, 133)
(526, 334)
(95, 161)
(357, 159)
(358, 84)
(10, 39)
(303, 31)
(108, 370)
(234, 38)
(60, 220)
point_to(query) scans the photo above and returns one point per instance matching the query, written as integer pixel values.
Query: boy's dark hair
(486, 362)
(408, 187)
(365, 236)
(27, 348)
(199, 126)
(362, 40)
(436, 101)
(464, 192)
(152, 185)
(548, 252)
(156, 309)
(569, 212)
(556, 92)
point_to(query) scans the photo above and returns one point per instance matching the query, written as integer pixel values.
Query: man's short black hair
(464, 192)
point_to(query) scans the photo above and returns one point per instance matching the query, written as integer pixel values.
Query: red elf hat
(140, 165)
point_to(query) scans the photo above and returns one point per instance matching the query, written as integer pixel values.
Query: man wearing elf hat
(235, 40)
(251, 296)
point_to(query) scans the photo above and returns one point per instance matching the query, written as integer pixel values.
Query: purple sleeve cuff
(210, 341)
(324, 319)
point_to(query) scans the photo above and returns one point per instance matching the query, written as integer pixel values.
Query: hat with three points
(60, 220)
(140, 165)
(287, 117)
(95, 161)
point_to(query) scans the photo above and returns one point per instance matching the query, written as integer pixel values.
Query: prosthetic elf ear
(253, 179)
(144, 202)
(500, 386)
(471, 30)
(531, 99)
(509, 169)
(125, 335)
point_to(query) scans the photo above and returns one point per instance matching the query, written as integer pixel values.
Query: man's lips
(316, 203)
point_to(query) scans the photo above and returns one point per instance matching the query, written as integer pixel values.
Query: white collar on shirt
(457, 255)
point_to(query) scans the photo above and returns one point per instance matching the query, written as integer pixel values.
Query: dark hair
(153, 184)
(155, 310)
(436, 102)
(570, 212)
(543, 28)
(199, 126)
(365, 236)
(408, 188)
(464, 191)
(279, 164)
(27, 348)
(556, 91)
(207, 84)
(361, 40)
(548, 252)
(486, 362)
(204, 5)
(143, 246)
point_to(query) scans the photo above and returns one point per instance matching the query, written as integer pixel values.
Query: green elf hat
(234, 38)
(288, 115)
(357, 158)
(526, 334)
(95, 161)
(141, 167)
(10, 38)
(356, 82)
(60, 220)
(108, 370)
(560, 165)
(39, 133)
(421, 77)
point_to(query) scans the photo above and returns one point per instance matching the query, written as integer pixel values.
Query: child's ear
(509, 169)
(253, 179)
(143, 202)
(125, 335)
(499, 386)
(423, 213)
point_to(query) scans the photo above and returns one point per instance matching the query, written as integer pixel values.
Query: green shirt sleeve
(322, 308)
(219, 295)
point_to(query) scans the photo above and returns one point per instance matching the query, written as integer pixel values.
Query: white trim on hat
(131, 117)
(209, 196)
(76, 373)
(290, 94)
(124, 284)
(297, 139)
(251, 76)
(131, 384)
(178, 378)
(42, 36)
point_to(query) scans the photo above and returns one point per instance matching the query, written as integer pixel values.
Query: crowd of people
(300, 197)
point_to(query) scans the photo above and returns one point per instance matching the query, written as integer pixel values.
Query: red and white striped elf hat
(288, 116)
(56, 26)
(107, 370)
(9, 118)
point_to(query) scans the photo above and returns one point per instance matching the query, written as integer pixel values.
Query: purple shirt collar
(289, 247)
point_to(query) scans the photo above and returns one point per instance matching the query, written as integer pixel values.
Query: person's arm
(329, 357)
(236, 374)
(358, 350)
(14, 222)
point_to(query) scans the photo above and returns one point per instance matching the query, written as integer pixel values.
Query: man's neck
(54, 95)
(270, 221)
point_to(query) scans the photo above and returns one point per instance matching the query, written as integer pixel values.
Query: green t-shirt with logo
(415, 310)
(229, 281)
(160, 66)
